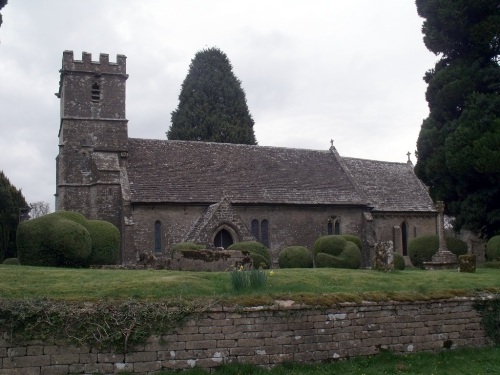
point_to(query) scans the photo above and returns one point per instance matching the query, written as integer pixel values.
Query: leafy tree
(458, 147)
(11, 203)
(212, 104)
(2, 4)
(39, 208)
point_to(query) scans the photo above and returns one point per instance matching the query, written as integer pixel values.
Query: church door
(223, 239)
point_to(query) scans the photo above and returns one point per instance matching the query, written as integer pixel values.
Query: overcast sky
(312, 71)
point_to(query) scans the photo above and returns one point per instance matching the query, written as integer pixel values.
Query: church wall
(288, 225)
(388, 227)
(175, 221)
(300, 225)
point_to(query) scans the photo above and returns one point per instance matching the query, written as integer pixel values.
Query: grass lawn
(317, 286)
(454, 362)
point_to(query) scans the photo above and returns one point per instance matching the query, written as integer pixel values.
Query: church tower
(93, 137)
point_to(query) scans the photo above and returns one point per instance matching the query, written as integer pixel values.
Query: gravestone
(384, 256)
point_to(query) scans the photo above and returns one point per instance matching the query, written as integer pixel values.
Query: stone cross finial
(408, 154)
(331, 142)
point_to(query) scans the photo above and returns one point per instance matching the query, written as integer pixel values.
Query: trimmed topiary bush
(12, 261)
(295, 257)
(105, 242)
(261, 257)
(399, 262)
(421, 249)
(353, 238)
(335, 251)
(67, 239)
(493, 249)
(332, 245)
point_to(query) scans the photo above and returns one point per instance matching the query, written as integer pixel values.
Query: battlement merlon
(103, 66)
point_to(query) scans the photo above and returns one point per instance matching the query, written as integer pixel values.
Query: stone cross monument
(444, 258)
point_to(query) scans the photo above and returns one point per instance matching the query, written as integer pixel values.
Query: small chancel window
(96, 92)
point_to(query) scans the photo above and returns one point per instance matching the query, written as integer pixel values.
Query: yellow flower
(271, 273)
(241, 268)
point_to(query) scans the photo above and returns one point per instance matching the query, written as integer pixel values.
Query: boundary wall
(268, 335)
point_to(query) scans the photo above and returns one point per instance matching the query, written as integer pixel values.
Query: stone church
(161, 192)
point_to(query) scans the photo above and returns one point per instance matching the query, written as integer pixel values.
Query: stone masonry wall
(268, 336)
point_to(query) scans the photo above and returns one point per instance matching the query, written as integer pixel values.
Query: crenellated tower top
(103, 66)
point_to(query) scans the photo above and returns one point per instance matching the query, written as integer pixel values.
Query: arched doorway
(223, 239)
(404, 237)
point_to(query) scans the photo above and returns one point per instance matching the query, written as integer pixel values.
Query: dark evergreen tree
(212, 104)
(12, 206)
(458, 147)
(2, 4)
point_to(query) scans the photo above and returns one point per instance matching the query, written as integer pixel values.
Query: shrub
(11, 261)
(332, 245)
(341, 253)
(351, 256)
(353, 238)
(67, 239)
(421, 249)
(295, 257)
(493, 249)
(399, 262)
(261, 257)
(327, 260)
(105, 242)
(71, 241)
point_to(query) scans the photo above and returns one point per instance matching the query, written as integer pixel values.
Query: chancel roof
(390, 186)
(162, 171)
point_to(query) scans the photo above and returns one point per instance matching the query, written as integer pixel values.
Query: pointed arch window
(333, 226)
(255, 229)
(404, 237)
(96, 92)
(264, 232)
(157, 236)
(329, 228)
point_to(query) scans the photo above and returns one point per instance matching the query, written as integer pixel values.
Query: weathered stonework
(159, 192)
(268, 335)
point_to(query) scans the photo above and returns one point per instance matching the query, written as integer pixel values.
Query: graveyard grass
(318, 286)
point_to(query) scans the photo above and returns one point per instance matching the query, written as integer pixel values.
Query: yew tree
(212, 104)
(458, 148)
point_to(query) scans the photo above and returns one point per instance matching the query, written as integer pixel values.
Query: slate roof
(390, 186)
(162, 171)
(203, 172)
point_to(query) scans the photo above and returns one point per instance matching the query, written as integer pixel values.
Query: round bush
(353, 238)
(295, 257)
(67, 239)
(72, 242)
(332, 245)
(105, 242)
(351, 256)
(254, 248)
(399, 262)
(421, 249)
(493, 249)
(12, 261)
(327, 260)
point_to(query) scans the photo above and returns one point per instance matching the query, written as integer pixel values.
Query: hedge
(493, 249)
(261, 257)
(66, 238)
(421, 249)
(295, 257)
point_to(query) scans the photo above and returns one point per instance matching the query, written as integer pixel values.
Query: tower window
(96, 92)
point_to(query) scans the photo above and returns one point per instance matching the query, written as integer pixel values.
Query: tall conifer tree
(11, 202)
(212, 104)
(458, 147)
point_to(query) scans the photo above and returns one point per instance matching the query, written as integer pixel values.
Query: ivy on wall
(116, 326)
